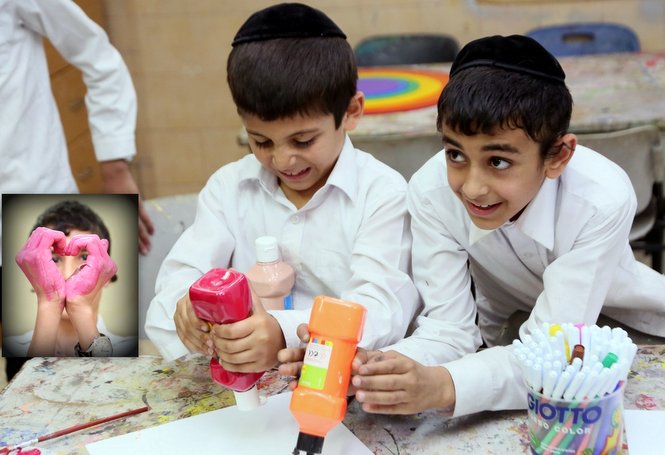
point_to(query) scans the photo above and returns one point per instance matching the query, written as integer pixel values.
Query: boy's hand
(193, 332)
(35, 258)
(391, 383)
(291, 358)
(250, 345)
(95, 273)
(86, 284)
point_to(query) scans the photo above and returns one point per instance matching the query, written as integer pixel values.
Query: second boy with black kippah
(339, 214)
(538, 222)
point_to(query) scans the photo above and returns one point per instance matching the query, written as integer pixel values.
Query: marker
(549, 382)
(578, 353)
(610, 359)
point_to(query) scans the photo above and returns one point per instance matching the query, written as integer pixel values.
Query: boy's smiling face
(301, 150)
(496, 176)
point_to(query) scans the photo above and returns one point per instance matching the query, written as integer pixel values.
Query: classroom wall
(177, 50)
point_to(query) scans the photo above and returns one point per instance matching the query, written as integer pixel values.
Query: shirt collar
(345, 173)
(537, 220)
(475, 233)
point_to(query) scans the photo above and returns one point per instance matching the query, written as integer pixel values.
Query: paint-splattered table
(49, 394)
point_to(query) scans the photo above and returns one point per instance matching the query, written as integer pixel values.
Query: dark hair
(67, 215)
(284, 77)
(482, 99)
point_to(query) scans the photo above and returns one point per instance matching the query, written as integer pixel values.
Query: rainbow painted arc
(394, 90)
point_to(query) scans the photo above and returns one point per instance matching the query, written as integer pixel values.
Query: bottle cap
(247, 400)
(309, 443)
(266, 249)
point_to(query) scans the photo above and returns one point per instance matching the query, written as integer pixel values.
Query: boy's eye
(84, 257)
(55, 258)
(499, 163)
(455, 156)
(262, 145)
(304, 144)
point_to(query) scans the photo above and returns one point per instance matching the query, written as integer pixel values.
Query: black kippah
(515, 53)
(287, 20)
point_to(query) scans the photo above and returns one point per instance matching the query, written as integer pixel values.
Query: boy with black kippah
(538, 222)
(339, 214)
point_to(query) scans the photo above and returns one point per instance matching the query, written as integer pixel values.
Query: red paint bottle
(222, 296)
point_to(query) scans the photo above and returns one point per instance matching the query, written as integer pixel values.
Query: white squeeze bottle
(271, 279)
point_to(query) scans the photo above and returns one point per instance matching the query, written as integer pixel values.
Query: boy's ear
(555, 165)
(354, 111)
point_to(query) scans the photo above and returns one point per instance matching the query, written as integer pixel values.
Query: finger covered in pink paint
(98, 268)
(35, 258)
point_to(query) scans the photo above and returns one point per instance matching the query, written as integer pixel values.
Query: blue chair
(406, 49)
(586, 38)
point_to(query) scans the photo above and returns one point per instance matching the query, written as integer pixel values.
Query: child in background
(514, 207)
(66, 259)
(339, 214)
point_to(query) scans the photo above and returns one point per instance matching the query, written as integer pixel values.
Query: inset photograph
(69, 275)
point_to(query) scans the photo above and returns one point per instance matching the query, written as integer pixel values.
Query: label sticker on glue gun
(315, 364)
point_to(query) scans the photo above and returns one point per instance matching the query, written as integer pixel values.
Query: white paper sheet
(643, 431)
(270, 429)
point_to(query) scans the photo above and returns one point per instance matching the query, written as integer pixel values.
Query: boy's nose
(475, 185)
(283, 158)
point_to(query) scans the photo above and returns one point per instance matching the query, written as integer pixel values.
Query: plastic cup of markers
(582, 427)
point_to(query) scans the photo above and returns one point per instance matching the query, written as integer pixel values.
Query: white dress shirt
(33, 151)
(350, 241)
(563, 259)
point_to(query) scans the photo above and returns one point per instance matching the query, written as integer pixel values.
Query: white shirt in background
(33, 151)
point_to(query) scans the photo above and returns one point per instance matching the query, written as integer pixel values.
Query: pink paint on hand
(98, 266)
(36, 261)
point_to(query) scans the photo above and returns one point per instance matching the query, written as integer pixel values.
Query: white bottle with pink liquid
(271, 279)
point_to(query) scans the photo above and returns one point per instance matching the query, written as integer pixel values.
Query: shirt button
(295, 219)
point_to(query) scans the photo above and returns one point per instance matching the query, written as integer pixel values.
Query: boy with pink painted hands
(68, 273)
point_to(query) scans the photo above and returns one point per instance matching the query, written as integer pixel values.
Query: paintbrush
(72, 429)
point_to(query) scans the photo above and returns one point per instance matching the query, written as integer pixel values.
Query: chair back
(406, 49)
(586, 38)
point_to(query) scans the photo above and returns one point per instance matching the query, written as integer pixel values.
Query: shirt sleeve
(445, 329)
(489, 380)
(288, 321)
(380, 263)
(110, 97)
(187, 261)
(576, 284)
